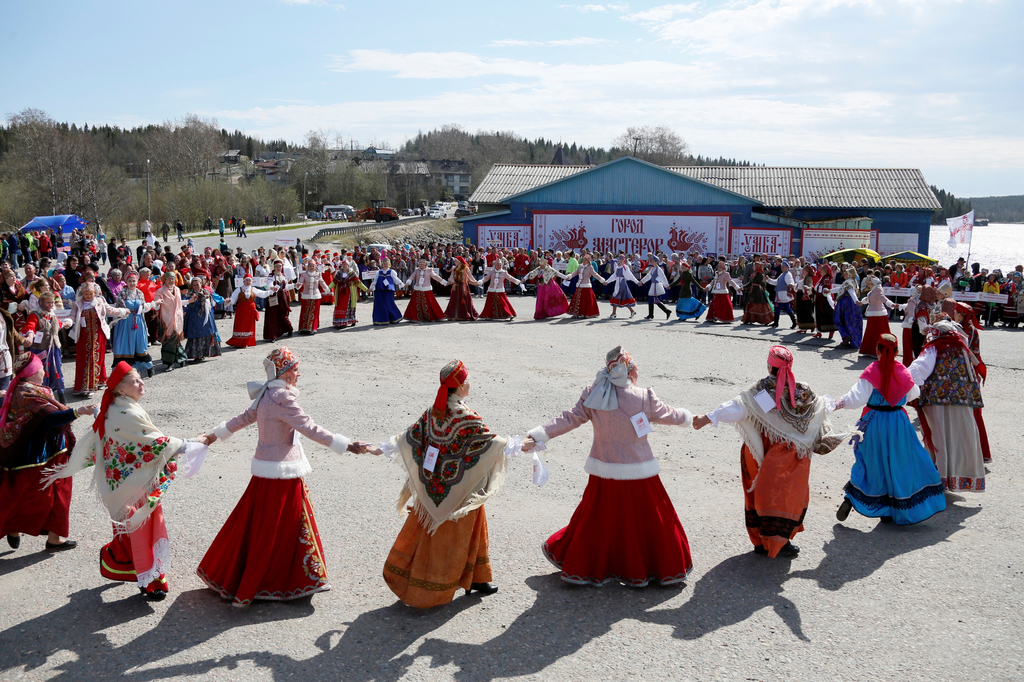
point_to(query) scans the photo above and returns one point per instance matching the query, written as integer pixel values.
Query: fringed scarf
(134, 463)
(470, 465)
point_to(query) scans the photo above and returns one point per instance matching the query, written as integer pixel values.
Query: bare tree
(450, 142)
(186, 148)
(659, 145)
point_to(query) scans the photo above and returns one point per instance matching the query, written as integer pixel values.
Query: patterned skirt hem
(630, 582)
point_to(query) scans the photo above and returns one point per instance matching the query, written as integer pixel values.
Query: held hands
(701, 421)
(207, 439)
(528, 444)
(87, 409)
(360, 448)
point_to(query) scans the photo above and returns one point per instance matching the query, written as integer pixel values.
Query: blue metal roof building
(633, 206)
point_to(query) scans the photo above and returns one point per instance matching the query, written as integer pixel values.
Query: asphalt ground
(863, 601)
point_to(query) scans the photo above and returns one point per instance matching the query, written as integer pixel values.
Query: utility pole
(636, 142)
(304, 194)
(149, 205)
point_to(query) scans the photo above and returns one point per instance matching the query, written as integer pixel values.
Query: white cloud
(661, 13)
(568, 42)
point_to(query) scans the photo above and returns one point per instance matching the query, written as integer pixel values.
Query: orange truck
(376, 211)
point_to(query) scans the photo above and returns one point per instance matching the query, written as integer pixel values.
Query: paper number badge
(641, 424)
(431, 459)
(765, 401)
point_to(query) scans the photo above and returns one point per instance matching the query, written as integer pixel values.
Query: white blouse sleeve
(922, 368)
(856, 397)
(728, 412)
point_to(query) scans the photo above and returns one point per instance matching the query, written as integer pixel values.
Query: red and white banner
(506, 236)
(817, 243)
(961, 229)
(746, 241)
(640, 233)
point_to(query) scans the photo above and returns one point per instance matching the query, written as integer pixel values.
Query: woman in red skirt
(625, 528)
(243, 301)
(584, 303)
(270, 547)
(277, 323)
(720, 309)
(460, 305)
(90, 332)
(878, 319)
(423, 306)
(310, 284)
(347, 286)
(498, 306)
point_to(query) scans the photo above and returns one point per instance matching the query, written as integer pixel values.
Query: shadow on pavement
(10, 564)
(562, 620)
(854, 554)
(730, 593)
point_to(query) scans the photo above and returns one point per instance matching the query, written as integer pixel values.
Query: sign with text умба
(503, 236)
(640, 233)
(746, 241)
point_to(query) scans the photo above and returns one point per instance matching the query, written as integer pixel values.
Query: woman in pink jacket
(270, 547)
(625, 528)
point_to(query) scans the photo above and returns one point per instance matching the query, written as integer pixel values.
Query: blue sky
(931, 84)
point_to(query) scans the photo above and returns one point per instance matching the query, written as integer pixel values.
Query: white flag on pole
(961, 229)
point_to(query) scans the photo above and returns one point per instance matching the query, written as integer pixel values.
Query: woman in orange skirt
(454, 464)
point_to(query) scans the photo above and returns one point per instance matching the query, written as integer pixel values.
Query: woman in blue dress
(129, 336)
(893, 477)
(383, 287)
(201, 340)
(688, 307)
(848, 317)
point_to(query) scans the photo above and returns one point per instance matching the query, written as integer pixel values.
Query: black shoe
(668, 314)
(483, 588)
(14, 541)
(759, 549)
(775, 325)
(649, 317)
(155, 595)
(788, 551)
(67, 544)
(149, 373)
(844, 510)
(885, 519)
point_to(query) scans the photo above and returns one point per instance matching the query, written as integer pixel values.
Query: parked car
(461, 212)
(437, 213)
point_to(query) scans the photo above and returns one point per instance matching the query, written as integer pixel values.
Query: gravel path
(863, 601)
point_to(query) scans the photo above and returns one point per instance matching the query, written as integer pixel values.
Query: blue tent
(61, 224)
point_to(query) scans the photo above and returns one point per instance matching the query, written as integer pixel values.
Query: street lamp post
(149, 205)
(304, 195)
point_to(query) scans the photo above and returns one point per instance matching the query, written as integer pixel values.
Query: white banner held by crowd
(961, 229)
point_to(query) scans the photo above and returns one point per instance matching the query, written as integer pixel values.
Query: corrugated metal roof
(774, 186)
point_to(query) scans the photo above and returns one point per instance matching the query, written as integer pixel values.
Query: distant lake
(995, 245)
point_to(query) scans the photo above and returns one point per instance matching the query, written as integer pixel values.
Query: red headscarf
(116, 375)
(780, 358)
(453, 375)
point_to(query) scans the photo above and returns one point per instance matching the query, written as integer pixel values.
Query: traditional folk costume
(201, 339)
(310, 286)
(720, 309)
(170, 325)
(824, 303)
(10, 339)
(551, 302)
(848, 318)
(657, 290)
(453, 464)
(277, 323)
(878, 319)
(347, 286)
(383, 287)
(909, 315)
(893, 477)
(497, 306)
(134, 465)
(460, 305)
(243, 301)
(971, 328)
(688, 307)
(775, 460)
(423, 306)
(759, 308)
(949, 376)
(131, 338)
(622, 295)
(90, 332)
(269, 548)
(42, 337)
(584, 303)
(328, 277)
(625, 529)
(805, 305)
(35, 432)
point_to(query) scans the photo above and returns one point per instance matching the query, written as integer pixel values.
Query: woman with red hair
(893, 477)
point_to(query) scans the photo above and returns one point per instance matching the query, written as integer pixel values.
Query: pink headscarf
(780, 358)
(33, 366)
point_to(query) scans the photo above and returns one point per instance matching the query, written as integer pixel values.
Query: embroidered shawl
(133, 463)
(30, 405)
(806, 425)
(470, 465)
